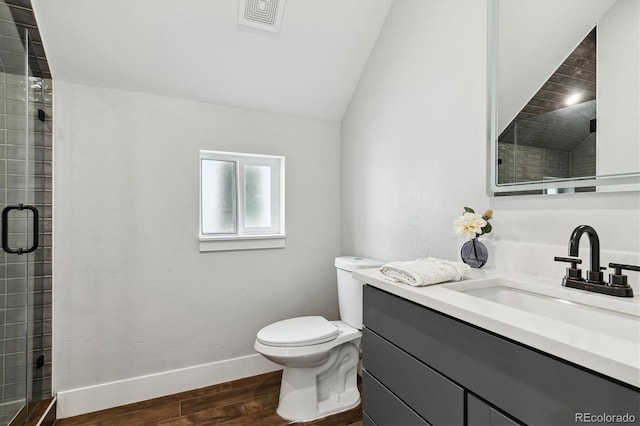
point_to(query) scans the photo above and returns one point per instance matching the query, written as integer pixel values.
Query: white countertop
(612, 356)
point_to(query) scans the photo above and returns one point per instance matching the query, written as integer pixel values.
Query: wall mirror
(564, 92)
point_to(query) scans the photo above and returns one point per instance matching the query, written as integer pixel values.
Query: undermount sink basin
(616, 318)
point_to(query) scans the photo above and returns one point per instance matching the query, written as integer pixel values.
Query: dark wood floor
(250, 401)
(35, 413)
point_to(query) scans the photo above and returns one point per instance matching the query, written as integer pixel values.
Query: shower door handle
(5, 230)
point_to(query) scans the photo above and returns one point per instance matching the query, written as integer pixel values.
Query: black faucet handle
(617, 278)
(574, 261)
(573, 271)
(618, 267)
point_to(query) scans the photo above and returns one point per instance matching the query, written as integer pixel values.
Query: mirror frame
(618, 182)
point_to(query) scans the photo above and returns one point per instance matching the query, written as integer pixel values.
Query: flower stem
(475, 251)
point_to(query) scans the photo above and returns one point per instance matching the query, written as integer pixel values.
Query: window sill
(242, 243)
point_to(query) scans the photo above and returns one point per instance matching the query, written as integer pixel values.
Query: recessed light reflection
(573, 99)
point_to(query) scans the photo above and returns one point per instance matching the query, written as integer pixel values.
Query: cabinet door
(383, 407)
(428, 393)
(366, 420)
(481, 414)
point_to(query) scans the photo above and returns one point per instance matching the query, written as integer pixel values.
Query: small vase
(474, 253)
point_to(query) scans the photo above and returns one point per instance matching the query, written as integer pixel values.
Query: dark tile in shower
(13, 375)
(14, 391)
(15, 182)
(15, 360)
(20, 3)
(43, 268)
(14, 107)
(23, 15)
(15, 300)
(14, 151)
(12, 60)
(15, 139)
(17, 345)
(46, 225)
(17, 270)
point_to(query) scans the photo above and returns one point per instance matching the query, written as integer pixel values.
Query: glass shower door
(19, 230)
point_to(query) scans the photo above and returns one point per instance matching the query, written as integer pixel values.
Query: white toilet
(320, 357)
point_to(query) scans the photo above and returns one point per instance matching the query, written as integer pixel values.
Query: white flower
(469, 225)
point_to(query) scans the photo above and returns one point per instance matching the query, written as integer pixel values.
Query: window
(241, 201)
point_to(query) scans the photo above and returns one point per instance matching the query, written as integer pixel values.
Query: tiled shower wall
(535, 163)
(26, 329)
(583, 158)
(25, 287)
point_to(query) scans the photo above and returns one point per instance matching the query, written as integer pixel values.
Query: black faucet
(594, 274)
(617, 285)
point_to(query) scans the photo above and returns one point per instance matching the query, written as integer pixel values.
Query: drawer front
(383, 407)
(533, 387)
(366, 420)
(429, 394)
(481, 414)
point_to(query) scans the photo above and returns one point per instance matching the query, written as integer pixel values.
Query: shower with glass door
(26, 226)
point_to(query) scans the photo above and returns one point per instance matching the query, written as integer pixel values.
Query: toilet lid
(301, 331)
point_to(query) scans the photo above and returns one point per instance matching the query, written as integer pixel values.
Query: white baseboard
(87, 399)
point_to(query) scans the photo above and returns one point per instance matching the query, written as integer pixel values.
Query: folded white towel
(423, 272)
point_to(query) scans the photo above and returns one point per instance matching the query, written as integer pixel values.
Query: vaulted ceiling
(195, 49)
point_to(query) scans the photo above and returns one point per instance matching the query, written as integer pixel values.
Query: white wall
(414, 153)
(619, 89)
(133, 294)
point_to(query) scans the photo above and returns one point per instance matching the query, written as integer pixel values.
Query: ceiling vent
(261, 14)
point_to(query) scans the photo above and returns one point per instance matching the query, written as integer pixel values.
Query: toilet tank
(350, 289)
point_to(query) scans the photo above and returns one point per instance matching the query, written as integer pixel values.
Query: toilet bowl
(320, 357)
(318, 379)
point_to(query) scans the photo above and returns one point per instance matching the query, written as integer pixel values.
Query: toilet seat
(300, 331)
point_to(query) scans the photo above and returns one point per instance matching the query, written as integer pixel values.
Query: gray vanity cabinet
(480, 413)
(423, 367)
